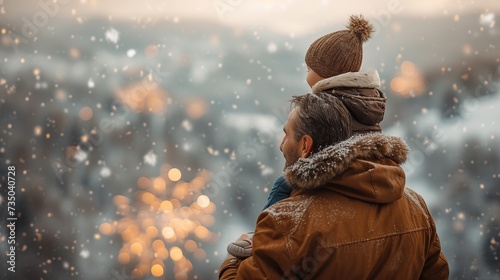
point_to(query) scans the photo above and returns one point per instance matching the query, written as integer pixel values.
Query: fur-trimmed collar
(321, 167)
(369, 79)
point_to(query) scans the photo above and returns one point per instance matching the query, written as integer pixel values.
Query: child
(333, 63)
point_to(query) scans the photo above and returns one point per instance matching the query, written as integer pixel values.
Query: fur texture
(351, 79)
(318, 169)
(361, 27)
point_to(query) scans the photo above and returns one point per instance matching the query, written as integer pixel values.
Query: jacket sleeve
(229, 268)
(269, 255)
(436, 265)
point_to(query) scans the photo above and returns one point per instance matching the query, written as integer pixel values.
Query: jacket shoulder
(418, 202)
(289, 212)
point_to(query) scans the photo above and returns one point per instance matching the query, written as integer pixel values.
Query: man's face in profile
(290, 144)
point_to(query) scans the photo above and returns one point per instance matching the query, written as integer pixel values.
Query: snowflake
(272, 47)
(150, 158)
(487, 20)
(80, 155)
(90, 83)
(105, 172)
(131, 53)
(112, 35)
(84, 253)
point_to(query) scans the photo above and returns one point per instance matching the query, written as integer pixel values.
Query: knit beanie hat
(339, 52)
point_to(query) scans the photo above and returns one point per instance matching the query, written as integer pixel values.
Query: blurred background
(145, 134)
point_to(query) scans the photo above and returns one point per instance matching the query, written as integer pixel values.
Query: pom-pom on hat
(340, 52)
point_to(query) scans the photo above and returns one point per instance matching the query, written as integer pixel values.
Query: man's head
(338, 52)
(316, 121)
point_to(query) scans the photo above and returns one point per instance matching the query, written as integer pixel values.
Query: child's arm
(280, 190)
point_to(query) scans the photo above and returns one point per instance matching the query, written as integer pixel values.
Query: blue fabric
(280, 190)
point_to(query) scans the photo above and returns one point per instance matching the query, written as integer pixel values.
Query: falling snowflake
(105, 172)
(272, 47)
(266, 171)
(187, 125)
(90, 83)
(84, 253)
(150, 158)
(81, 155)
(112, 35)
(487, 20)
(212, 151)
(131, 53)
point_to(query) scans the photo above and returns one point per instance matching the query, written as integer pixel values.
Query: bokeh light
(161, 223)
(176, 253)
(203, 201)
(106, 228)
(157, 270)
(196, 107)
(86, 113)
(408, 81)
(174, 174)
(168, 232)
(144, 96)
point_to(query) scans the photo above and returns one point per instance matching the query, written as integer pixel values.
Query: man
(333, 63)
(349, 215)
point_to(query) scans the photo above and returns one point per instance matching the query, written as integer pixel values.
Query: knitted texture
(341, 51)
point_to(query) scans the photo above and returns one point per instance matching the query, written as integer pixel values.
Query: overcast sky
(287, 16)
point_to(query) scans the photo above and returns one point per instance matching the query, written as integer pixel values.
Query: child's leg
(241, 249)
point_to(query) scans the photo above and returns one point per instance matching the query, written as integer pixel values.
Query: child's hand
(242, 247)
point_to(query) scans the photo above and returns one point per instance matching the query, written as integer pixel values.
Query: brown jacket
(350, 217)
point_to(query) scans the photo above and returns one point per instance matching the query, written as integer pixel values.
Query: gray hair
(323, 117)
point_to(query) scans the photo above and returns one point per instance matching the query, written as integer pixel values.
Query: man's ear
(306, 144)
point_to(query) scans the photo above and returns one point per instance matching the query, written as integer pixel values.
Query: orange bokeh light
(120, 200)
(176, 253)
(157, 270)
(106, 228)
(196, 107)
(168, 232)
(143, 182)
(152, 232)
(136, 248)
(202, 232)
(162, 253)
(203, 201)
(190, 246)
(124, 258)
(86, 113)
(146, 95)
(174, 174)
(164, 218)
(148, 198)
(159, 185)
(166, 206)
(409, 81)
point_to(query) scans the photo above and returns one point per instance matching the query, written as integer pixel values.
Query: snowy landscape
(143, 147)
